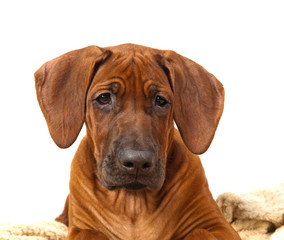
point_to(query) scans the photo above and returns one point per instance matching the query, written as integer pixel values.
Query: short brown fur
(129, 97)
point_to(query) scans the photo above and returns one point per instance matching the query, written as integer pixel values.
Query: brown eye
(160, 101)
(104, 99)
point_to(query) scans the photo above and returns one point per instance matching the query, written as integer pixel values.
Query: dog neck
(95, 207)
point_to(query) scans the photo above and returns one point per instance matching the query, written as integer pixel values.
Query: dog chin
(133, 186)
(130, 184)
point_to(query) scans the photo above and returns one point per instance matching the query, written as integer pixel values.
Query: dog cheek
(102, 173)
(163, 145)
(100, 143)
(107, 171)
(161, 176)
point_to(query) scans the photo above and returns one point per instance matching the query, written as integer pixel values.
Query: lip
(129, 186)
(134, 186)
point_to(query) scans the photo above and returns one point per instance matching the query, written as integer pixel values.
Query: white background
(240, 42)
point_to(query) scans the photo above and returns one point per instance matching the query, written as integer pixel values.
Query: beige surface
(256, 215)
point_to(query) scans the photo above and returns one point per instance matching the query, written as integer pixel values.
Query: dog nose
(136, 160)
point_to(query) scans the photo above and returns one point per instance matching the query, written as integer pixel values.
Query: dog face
(129, 118)
(128, 96)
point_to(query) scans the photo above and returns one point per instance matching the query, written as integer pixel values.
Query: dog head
(129, 96)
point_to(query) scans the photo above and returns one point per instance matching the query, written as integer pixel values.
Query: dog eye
(160, 101)
(104, 99)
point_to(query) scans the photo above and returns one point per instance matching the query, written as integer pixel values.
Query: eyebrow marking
(110, 84)
(151, 86)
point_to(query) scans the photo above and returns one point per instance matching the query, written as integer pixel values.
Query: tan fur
(168, 196)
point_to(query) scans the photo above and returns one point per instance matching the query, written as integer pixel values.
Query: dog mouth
(131, 185)
(113, 184)
(114, 177)
(134, 186)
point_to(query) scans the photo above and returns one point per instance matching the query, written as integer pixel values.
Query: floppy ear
(61, 86)
(198, 101)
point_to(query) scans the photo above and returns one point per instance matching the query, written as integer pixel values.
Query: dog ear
(198, 101)
(61, 86)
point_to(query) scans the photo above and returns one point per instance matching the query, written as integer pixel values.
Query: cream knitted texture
(258, 215)
(42, 230)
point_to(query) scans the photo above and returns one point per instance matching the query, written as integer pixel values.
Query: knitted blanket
(38, 231)
(258, 215)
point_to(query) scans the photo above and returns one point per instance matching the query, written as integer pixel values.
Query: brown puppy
(134, 176)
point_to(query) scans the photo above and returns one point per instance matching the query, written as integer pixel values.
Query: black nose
(136, 160)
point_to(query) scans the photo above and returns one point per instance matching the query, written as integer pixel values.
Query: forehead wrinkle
(149, 76)
(150, 65)
(153, 74)
(117, 67)
(152, 86)
(126, 64)
(134, 69)
(111, 81)
(124, 68)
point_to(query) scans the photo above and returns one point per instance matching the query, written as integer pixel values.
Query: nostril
(147, 165)
(128, 164)
(134, 160)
